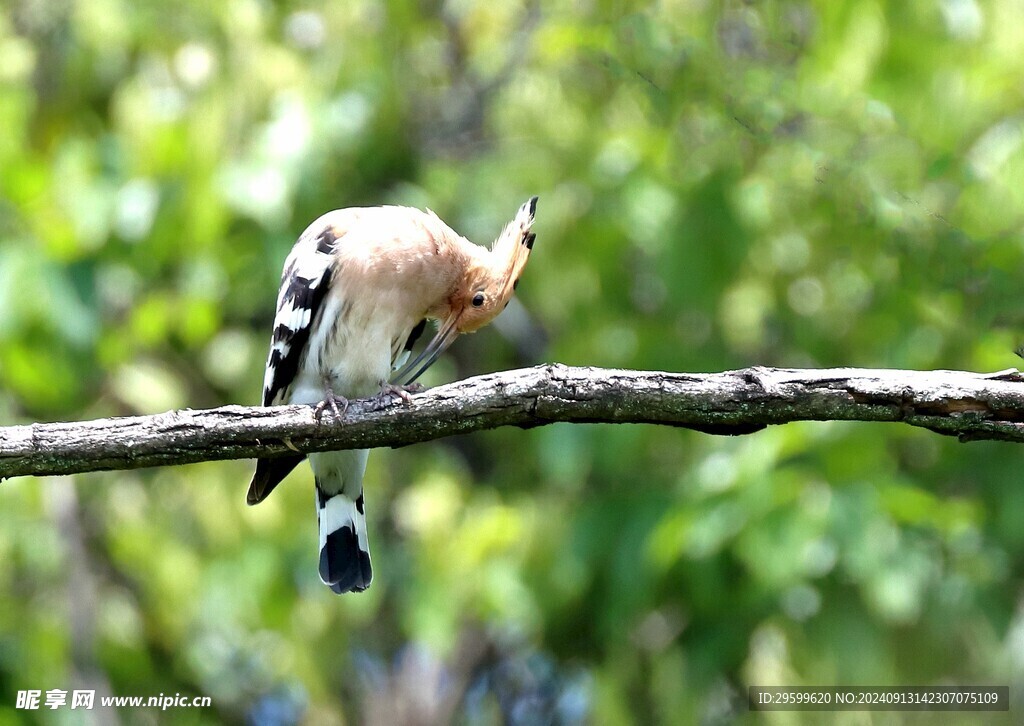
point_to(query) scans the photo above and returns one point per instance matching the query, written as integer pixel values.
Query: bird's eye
(478, 299)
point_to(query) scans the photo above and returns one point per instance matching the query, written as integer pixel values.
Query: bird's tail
(344, 550)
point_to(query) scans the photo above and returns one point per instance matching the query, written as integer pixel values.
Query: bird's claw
(337, 404)
(403, 393)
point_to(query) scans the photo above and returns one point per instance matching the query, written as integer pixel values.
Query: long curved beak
(445, 336)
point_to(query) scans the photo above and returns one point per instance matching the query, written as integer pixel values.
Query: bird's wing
(304, 284)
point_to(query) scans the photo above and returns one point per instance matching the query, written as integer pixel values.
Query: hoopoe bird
(357, 291)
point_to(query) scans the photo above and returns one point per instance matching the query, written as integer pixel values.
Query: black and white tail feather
(344, 549)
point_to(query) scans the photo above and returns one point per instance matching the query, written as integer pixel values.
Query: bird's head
(484, 290)
(492, 277)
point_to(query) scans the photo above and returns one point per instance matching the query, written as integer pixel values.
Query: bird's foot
(403, 393)
(337, 404)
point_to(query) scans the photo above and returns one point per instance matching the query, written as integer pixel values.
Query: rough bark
(970, 406)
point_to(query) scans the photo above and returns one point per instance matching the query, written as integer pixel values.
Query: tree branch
(968, 405)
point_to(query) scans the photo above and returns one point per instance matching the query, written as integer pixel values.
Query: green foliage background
(721, 184)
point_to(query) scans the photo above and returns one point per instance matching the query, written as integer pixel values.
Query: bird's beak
(446, 335)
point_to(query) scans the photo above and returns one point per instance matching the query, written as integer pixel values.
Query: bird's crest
(514, 245)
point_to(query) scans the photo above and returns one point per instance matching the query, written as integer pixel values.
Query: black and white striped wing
(304, 285)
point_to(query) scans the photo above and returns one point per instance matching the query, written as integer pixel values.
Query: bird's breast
(351, 346)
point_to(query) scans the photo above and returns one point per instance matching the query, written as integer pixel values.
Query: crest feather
(514, 245)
